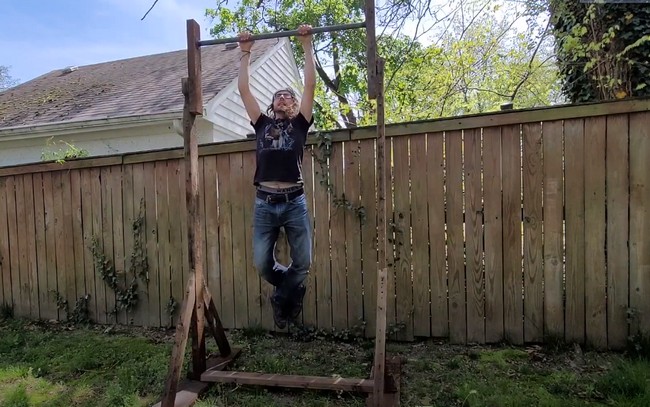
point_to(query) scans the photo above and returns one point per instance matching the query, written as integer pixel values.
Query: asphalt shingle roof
(135, 86)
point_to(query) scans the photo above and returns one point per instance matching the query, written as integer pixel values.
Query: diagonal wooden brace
(180, 342)
(214, 323)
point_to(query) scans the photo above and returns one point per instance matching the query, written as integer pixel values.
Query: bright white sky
(38, 36)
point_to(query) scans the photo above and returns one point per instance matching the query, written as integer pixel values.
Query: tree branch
(150, 8)
(530, 62)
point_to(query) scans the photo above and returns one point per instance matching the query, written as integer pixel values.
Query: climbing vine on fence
(126, 298)
(322, 154)
(79, 314)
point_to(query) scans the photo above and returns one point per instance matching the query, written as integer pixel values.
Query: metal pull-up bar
(290, 33)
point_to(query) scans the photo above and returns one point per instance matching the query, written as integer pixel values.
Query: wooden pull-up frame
(198, 307)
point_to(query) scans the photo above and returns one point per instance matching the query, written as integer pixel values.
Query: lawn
(44, 364)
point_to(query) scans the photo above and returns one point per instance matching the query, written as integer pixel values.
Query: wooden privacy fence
(513, 226)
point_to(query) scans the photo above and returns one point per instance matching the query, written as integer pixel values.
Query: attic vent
(70, 69)
(231, 45)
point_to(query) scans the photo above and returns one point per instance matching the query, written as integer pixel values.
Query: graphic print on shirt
(277, 137)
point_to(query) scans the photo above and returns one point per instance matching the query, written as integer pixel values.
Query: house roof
(135, 86)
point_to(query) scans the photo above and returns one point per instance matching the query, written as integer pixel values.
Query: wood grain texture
(492, 187)
(533, 175)
(595, 230)
(553, 150)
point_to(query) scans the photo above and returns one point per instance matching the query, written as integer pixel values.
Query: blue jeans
(268, 219)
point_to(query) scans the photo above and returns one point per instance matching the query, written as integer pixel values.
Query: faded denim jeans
(268, 219)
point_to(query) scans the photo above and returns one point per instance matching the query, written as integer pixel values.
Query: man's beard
(286, 109)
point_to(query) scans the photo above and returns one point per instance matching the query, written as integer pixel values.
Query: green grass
(50, 365)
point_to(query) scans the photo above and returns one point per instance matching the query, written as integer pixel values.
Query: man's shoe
(296, 306)
(279, 316)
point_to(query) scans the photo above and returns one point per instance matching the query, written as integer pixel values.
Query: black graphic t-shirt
(280, 146)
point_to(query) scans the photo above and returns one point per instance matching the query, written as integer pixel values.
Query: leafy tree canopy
(442, 58)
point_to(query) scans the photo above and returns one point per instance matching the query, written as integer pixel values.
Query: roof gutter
(72, 127)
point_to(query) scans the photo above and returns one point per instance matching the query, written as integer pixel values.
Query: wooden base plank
(289, 381)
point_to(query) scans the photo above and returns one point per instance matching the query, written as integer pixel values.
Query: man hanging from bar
(280, 201)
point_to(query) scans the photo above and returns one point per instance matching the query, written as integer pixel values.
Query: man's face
(282, 100)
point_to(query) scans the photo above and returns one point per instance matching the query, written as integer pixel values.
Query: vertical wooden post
(194, 67)
(371, 49)
(193, 95)
(382, 275)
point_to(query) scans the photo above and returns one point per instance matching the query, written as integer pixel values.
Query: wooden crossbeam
(291, 381)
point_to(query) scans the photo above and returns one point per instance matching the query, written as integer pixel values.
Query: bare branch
(494, 92)
(530, 62)
(150, 8)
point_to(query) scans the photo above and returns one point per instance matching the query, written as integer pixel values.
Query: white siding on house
(272, 72)
(100, 143)
(225, 119)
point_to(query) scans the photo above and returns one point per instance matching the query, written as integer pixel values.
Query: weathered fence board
(5, 263)
(532, 183)
(41, 250)
(575, 227)
(21, 246)
(595, 222)
(437, 273)
(252, 277)
(368, 202)
(500, 229)
(419, 220)
(553, 229)
(455, 236)
(337, 239)
(474, 236)
(129, 215)
(151, 228)
(237, 184)
(617, 229)
(321, 271)
(76, 204)
(640, 221)
(139, 314)
(354, 266)
(49, 305)
(493, 234)
(227, 266)
(402, 244)
(513, 306)
(211, 217)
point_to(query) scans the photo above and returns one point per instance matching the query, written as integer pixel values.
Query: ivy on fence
(126, 298)
(322, 154)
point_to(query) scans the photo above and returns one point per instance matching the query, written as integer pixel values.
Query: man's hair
(294, 109)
